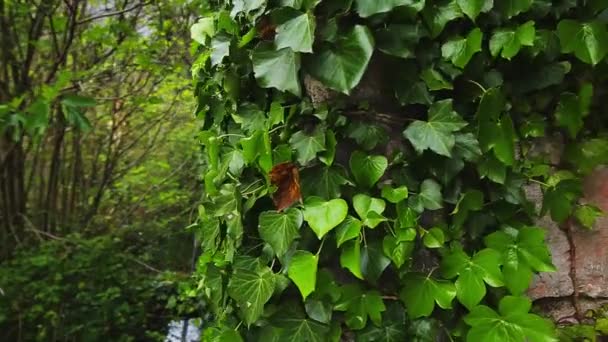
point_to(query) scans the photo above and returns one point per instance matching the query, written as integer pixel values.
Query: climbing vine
(416, 128)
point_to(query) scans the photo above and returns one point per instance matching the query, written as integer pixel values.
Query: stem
(321, 246)
(479, 85)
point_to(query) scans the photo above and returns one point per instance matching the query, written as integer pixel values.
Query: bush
(77, 289)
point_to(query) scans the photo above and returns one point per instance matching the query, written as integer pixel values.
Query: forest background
(98, 169)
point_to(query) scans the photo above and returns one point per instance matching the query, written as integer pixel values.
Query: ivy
(414, 126)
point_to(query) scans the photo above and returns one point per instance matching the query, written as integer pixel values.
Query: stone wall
(581, 257)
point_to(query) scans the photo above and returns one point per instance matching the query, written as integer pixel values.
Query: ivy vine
(414, 223)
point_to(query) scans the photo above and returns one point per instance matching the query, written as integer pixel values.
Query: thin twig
(111, 14)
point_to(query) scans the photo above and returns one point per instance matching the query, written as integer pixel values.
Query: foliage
(85, 289)
(432, 235)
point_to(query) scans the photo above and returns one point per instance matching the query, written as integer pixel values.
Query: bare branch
(111, 14)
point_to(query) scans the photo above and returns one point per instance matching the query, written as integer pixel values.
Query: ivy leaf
(327, 158)
(367, 135)
(366, 207)
(246, 6)
(587, 155)
(297, 33)
(559, 200)
(319, 310)
(429, 197)
(513, 324)
(490, 167)
(467, 147)
(204, 28)
(460, 50)
(471, 200)
(359, 306)
(323, 216)
(367, 8)
(367, 169)
(569, 114)
(279, 230)
(511, 8)
(437, 15)
(348, 230)
(303, 272)
(586, 215)
(400, 40)
(299, 4)
(394, 195)
(276, 68)
(307, 146)
(472, 273)
(397, 251)
(350, 257)
(373, 261)
(324, 183)
(251, 289)
(436, 134)
(508, 42)
(434, 238)
(393, 328)
(295, 327)
(435, 80)
(421, 292)
(220, 48)
(588, 41)
(472, 8)
(342, 65)
(522, 251)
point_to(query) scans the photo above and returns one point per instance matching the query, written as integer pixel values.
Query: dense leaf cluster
(407, 236)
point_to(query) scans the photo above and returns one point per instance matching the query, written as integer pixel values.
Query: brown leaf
(286, 178)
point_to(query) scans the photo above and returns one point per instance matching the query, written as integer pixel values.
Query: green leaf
(342, 65)
(204, 28)
(348, 230)
(397, 251)
(421, 292)
(367, 169)
(373, 261)
(467, 147)
(400, 40)
(569, 114)
(471, 200)
(394, 195)
(508, 42)
(429, 196)
(276, 69)
(586, 215)
(435, 80)
(587, 155)
(513, 324)
(483, 267)
(78, 101)
(303, 272)
(436, 134)
(297, 33)
(521, 253)
(437, 15)
(298, 4)
(367, 135)
(511, 8)
(588, 41)
(393, 328)
(324, 183)
(460, 50)
(246, 6)
(434, 238)
(350, 257)
(297, 328)
(307, 146)
(327, 158)
(490, 167)
(367, 8)
(251, 289)
(359, 306)
(220, 48)
(472, 8)
(280, 229)
(323, 216)
(318, 310)
(366, 207)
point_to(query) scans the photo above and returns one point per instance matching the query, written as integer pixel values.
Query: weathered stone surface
(555, 284)
(591, 262)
